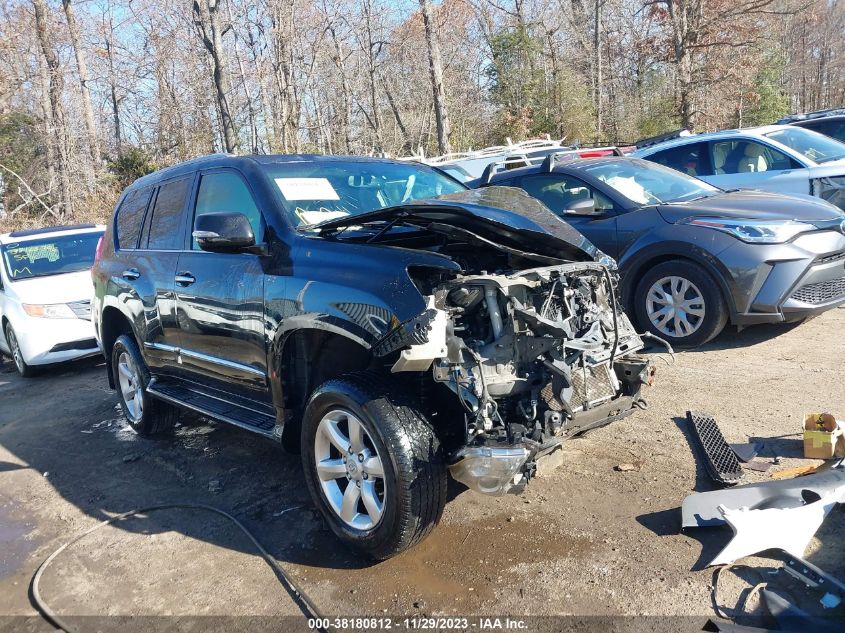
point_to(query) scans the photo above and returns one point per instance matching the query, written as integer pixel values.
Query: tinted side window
(166, 224)
(558, 192)
(226, 191)
(690, 159)
(129, 218)
(831, 127)
(740, 157)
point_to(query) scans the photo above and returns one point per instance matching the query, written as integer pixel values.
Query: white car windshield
(817, 147)
(50, 256)
(644, 182)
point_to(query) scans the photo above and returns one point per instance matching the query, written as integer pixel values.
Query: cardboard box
(823, 437)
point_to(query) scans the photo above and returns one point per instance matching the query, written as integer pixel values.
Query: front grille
(84, 344)
(831, 258)
(821, 292)
(82, 309)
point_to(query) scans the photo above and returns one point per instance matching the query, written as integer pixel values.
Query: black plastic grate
(719, 458)
(821, 292)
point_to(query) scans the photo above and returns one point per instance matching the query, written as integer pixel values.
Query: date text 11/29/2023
(418, 623)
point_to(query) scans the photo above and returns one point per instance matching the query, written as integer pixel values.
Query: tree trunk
(372, 69)
(208, 25)
(58, 117)
(597, 61)
(250, 104)
(115, 101)
(435, 66)
(288, 111)
(82, 67)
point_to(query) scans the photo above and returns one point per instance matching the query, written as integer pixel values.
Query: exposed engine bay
(533, 356)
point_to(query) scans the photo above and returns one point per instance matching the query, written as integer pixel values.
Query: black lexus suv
(374, 315)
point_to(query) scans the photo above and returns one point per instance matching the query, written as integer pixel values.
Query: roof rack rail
(548, 164)
(806, 116)
(51, 229)
(668, 136)
(494, 150)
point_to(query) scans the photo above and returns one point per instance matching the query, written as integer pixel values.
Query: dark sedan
(692, 256)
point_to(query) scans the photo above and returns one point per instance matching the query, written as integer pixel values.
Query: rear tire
(680, 302)
(144, 413)
(25, 370)
(395, 462)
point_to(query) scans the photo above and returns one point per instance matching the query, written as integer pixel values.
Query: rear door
(162, 237)
(220, 296)
(749, 164)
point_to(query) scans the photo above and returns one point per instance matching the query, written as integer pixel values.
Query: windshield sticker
(628, 187)
(50, 252)
(315, 216)
(306, 189)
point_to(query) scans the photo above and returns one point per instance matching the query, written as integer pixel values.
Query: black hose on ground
(301, 599)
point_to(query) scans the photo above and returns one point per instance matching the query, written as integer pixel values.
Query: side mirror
(583, 207)
(223, 232)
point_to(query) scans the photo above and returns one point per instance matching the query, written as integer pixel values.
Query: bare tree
(435, 65)
(82, 69)
(207, 21)
(57, 117)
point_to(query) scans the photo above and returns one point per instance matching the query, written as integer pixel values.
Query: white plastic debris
(789, 529)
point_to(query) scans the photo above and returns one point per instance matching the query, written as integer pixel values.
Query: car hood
(828, 169)
(759, 205)
(505, 216)
(63, 288)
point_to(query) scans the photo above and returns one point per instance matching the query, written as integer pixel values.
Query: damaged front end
(526, 330)
(533, 357)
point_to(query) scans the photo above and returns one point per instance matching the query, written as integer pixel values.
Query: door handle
(185, 279)
(131, 274)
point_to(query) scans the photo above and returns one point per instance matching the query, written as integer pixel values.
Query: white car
(45, 295)
(778, 158)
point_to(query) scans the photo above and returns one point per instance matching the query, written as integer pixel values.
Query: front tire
(680, 302)
(146, 415)
(373, 464)
(25, 370)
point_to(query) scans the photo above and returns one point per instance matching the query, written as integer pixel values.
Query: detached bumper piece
(719, 458)
(771, 515)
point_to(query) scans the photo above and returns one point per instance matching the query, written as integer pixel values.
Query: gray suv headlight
(753, 231)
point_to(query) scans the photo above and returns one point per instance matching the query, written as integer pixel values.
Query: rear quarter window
(691, 159)
(129, 218)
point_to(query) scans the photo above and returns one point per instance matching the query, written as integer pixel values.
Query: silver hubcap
(675, 306)
(16, 351)
(131, 387)
(350, 470)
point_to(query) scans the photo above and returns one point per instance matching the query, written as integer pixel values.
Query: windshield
(316, 192)
(644, 182)
(50, 256)
(817, 147)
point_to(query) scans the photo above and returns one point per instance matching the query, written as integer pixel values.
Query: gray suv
(692, 256)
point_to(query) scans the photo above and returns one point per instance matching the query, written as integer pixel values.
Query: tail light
(99, 252)
(596, 153)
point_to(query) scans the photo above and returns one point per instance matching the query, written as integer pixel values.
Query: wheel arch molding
(634, 268)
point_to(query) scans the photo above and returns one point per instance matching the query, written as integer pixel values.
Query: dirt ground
(587, 540)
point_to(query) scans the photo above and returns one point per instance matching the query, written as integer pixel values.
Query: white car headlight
(831, 189)
(49, 311)
(754, 231)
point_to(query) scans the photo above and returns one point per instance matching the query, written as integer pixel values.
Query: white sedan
(45, 295)
(778, 158)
